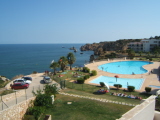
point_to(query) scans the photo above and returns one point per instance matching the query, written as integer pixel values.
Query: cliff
(100, 48)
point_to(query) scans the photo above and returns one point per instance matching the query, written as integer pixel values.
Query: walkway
(97, 99)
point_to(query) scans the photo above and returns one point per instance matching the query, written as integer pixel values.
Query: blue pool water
(154, 86)
(137, 83)
(125, 67)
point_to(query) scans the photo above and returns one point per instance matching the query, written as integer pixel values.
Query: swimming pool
(125, 67)
(154, 86)
(137, 83)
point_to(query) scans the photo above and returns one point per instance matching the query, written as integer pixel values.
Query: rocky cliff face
(100, 48)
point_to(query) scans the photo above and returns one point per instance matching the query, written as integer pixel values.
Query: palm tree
(71, 59)
(53, 66)
(63, 62)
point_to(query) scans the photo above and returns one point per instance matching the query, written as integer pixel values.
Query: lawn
(84, 109)
(90, 90)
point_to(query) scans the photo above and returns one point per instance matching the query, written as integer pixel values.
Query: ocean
(23, 59)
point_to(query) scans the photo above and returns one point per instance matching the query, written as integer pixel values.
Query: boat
(81, 53)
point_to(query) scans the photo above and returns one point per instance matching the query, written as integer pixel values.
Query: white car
(47, 79)
(22, 81)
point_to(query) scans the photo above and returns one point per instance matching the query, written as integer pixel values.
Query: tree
(140, 53)
(148, 54)
(130, 88)
(53, 66)
(63, 62)
(156, 53)
(148, 89)
(117, 86)
(71, 59)
(51, 89)
(131, 53)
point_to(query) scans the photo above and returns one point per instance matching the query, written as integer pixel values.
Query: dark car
(27, 78)
(20, 86)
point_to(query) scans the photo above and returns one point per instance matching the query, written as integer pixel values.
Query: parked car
(19, 86)
(47, 79)
(22, 81)
(27, 78)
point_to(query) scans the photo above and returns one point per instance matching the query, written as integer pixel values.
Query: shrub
(150, 59)
(86, 69)
(51, 89)
(43, 100)
(147, 89)
(102, 84)
(80, 80)
(131, 88)
(36, 111)
(86, 77)
(34, 72)
(117, 86)
(94, 73)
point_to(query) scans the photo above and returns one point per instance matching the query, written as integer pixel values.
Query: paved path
(37, 83)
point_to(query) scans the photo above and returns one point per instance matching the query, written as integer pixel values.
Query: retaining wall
(15, 112)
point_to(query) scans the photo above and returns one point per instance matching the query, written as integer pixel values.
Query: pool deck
(150, 78)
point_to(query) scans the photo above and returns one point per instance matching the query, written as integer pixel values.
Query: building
(146, 45)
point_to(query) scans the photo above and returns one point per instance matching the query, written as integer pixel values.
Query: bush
(80, 80)
(35, 111)
(51, 89)
(34, 72)
(86, 69)
(102, 84)
(147, 89)
(117, 86)
(94, 73)
(86, 77)
(131, 88)
(43, 100)
(150, 59)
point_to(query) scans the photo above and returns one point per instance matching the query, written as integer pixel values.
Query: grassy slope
(84, 109)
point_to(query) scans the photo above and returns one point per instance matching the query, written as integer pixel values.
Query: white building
(146, 45)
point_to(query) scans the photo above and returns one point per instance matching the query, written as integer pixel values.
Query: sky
(77, 21)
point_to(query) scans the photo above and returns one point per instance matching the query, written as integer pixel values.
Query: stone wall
(15, 112)
(11, 96)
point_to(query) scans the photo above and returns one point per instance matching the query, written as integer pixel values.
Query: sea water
(23, 59)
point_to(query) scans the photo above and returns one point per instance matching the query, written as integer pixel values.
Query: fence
(18, 96)
(72, 85)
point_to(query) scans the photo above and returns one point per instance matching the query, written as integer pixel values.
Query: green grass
(3, 83)
(108, 96)
(89, 90)
(84, 109)
(5, 92)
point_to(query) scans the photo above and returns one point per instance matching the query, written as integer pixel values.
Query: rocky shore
(100, 48)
